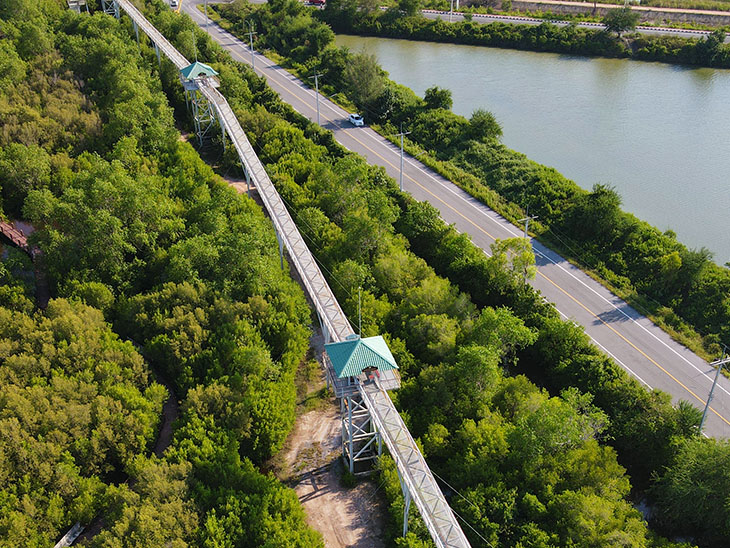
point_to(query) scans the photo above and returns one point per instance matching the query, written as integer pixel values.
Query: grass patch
(311, 390)
(214, 16)
(347, 478)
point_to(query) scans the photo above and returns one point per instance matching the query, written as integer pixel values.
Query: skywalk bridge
(369, 417)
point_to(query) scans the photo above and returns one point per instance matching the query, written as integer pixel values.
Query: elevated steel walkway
(416, 479)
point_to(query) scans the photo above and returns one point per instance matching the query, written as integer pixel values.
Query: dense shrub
(683, 288)
(135, 230)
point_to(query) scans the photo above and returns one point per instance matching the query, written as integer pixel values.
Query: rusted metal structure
(16, 237)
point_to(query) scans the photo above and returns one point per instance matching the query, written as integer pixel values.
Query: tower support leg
(343, 431)
(360, 442)
(110, 7)
(352, 441)
(223, 129)
(203, 115)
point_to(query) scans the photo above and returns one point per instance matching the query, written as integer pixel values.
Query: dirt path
(346, 517)
(310, 461)
(170, 412)
(311, 464)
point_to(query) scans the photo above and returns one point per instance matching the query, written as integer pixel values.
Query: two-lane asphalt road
(633, 341)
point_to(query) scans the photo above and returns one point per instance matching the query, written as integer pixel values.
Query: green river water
(656, 132)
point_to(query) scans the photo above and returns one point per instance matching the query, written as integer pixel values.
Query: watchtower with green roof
(349, 363)
(194, 77)
(350, 358)
(357, 358)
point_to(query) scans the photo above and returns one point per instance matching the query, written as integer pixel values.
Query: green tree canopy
(364, 78)
(620, 20)
(693, 495)
(437, 97)
(409, 7)
(483, 125)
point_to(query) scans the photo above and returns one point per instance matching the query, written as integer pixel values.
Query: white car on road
(356, 120)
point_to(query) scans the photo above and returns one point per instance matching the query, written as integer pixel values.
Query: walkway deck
(413, 470)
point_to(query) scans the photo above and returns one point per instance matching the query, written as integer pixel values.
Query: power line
(467, 500)
(401, 135)
(251, 34)
(719, 363)
(527, 219)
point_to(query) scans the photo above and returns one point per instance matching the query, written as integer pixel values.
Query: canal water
(658, 133)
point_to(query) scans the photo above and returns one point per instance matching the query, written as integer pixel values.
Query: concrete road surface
(636, 344)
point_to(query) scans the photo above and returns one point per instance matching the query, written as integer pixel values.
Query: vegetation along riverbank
(430, 310)
(681, 289)
(343, 17)
(142, 240)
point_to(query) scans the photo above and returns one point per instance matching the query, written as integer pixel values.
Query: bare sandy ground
(311, 463)
(346, 517)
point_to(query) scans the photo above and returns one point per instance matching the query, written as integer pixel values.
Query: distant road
(519, 20)
(633, 341)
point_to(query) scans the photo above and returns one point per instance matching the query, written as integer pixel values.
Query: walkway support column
(281, 249)
(223, 129)
(406, 502)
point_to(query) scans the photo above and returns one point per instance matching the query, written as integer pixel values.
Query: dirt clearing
(310, 463)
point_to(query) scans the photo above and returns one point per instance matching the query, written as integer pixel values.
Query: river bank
(635, 123)
(546, 37)
(664, 279)
(647, 14)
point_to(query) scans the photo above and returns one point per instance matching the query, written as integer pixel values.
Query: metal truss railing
(335, 323)
(416, 478)
(417, 481)
(112, 7)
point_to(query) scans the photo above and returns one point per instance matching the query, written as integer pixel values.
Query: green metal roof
(349, 358)
(196, 70)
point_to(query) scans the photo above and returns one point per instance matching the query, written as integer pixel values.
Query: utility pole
(316, 89)
(195, 45)
(451, 11)
(718, 363)
(205, 5)
(250, 37)
(527, 219)
(401, 135)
